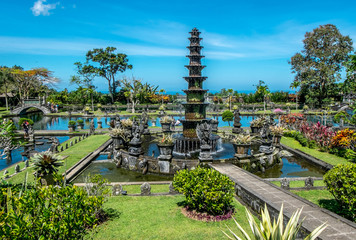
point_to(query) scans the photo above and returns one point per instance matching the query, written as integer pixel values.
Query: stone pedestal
(166, 127)
(100, 124)
(135, 148)
(165, 151)
(214, 125)
(205, 154)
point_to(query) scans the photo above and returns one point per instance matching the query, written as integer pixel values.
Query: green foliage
(205, 190)
(22, 120)
(72, 123)
(312, 144)
(80, 121)
(46, 163)
(48, 213)
(268, 230)
(318, 66)
(227, 116)
(341, 115)
(341, 183)
(108, 64)
(96, 185)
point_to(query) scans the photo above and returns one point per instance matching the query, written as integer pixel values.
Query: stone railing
(308, 183)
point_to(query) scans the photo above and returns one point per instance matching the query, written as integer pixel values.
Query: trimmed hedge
(205, 190)
(341, 183)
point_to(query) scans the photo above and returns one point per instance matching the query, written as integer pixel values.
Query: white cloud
(40, 8)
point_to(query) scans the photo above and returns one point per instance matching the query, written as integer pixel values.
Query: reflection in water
(292, 167)
(16, 154)
(113, 174)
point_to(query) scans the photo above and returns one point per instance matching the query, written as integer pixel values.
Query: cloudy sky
(244, 41)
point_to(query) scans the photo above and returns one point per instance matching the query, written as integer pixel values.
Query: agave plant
(258, 122)
(276, 230)
(166, 139)
(46, 163)
(243, 139)
(127, 123)
(166, 119)
(277, 130)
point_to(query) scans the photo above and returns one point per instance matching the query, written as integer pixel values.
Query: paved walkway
(274, 196)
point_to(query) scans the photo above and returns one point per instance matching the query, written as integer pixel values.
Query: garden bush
(205, 190)
(341, 183)
(22, 120)
(48, 213)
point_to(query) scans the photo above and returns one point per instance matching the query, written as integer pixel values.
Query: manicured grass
(74, 153)
(155, 188)
(297, 184)
(159, 217)
(324, 156)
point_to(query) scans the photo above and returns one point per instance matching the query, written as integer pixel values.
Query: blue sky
(244, 41)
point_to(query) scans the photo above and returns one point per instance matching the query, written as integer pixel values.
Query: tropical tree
(349, 85)
(133, 89)
(295, 86)
(318, 66)
(5, 82)
(85, 80)
(108, 64)
(26, 81)
(262, 89)
(230, 92)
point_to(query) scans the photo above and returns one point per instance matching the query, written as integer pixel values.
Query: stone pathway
(264, 192)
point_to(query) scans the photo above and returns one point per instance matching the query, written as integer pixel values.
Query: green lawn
(159, 217)
(297, 184)
(155, 188)
(324, 156)
(74, 153)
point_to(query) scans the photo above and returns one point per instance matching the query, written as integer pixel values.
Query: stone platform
(256, 192)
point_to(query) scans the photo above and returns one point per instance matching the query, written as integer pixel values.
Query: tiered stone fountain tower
(195, 107)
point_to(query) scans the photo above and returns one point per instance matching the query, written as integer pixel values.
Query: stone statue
(54, 145)
(204, 132)
(91, 128)
(237, 124)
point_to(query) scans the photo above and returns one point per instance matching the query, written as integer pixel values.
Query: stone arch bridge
(31, 103)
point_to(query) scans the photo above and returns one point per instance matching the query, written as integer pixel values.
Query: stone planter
(255, 130)
(241, 148)
(117, 141)
(165, 149)
(100, 124)
(71, 128)
(166, 127)
(80, 126)
(276, 139)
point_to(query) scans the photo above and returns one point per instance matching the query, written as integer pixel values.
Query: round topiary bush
(206, 190)
(341, 183)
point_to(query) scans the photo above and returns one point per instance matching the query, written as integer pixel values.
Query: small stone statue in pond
(54, 145)
(91, 128)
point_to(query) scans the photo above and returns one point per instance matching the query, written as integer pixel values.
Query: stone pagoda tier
(195, 107)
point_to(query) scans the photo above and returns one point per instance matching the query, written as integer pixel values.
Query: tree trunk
(92, 102)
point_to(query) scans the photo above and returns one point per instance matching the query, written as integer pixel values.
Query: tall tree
(318, 66)
(349, 84)
(5, 82)
(26, 81)
(133, 89)
(87, 73)
(263, 90)
(107, 65)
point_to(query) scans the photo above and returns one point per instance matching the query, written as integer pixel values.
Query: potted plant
(99, 107)
(305, 108)
(277, 133)
(166, 122)
(166, 145)
(126, 123)
(86, 110)
(71, 126)
(161, 109)
(46, 164)
(118, 136)
(80, 123)
(242, 143)
(257, 124)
